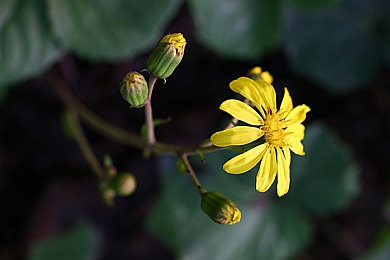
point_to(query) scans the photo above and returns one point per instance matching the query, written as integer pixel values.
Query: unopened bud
(134, 89)
(220, 209)
(123, 184)
(167, 54)
(257, 73)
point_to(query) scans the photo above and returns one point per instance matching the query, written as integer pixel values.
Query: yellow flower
(257, 73)
(281, 129)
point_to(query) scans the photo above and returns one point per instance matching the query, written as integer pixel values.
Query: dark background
(46, 185)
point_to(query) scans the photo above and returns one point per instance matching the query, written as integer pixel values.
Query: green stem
(151, 138)
(115, 133)
(192, 175)
(83, 143)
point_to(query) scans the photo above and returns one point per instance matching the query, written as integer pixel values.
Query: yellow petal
(267, 94)
(248, 88)
(286, 105)
(296, 146)
(296, 131)
(297, 115)
(255, 71)
(245, 161)
(237, 135)
(267, 77)
(284, 159)
(267, 172)
(242, 112)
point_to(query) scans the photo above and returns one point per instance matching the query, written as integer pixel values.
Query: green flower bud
(166, 55)
(220, 209)
(108, 195)
(134, 89)
(123, 184)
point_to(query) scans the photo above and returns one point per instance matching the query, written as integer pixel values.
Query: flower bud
(220, 209)
(123, 184)
(134, 89)
(257, 73)
(166, 55)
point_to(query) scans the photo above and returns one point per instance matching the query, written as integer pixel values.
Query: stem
(192, 175)
(83, 143)
(115, 133)
(151, 138)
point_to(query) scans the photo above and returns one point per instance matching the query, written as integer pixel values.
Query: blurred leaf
(274, 231)
(6, 10)
(325, 179)
(381, 249)
(110, 30)
(338, 48)
(26, 46)
(313, 4)
(244, 29)
(384, 28)
(81, 242)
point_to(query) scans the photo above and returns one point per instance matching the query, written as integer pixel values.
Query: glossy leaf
(245, 29)
(381, 248)
(274, 231)
(313, 4)
(81, 242)
(26, 46)
(110, 30)
(338, 48)
(326, 178)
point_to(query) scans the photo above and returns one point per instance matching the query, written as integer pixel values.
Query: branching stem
(83, 143)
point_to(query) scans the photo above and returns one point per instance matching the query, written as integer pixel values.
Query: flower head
(134, 89)
(220, 209)
(166, 56)
(257, 73)
(281, 130)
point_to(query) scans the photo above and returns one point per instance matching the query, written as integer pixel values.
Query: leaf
(381, 248)
(326, 178)
(81, 242)
(313, 4)
(26, 46)
(6, 10)
(245, 29)
(274, 231)
(337, 48)
(110, 30)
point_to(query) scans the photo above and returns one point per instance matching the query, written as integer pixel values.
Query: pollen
(273, 130)
(177, 40)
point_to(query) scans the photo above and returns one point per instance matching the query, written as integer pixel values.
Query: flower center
(273, 130)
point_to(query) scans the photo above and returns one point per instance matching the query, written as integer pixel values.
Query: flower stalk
(151, 138)
(192, 175)
(82, 141)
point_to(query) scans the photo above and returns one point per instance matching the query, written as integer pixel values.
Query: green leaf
(110, 30)
(326, 178)
(245, 29)
(274, 231)
(81, 242)
(313, 4)
(6, 10)
(381, 248)
(337, 48)
(26, 46)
